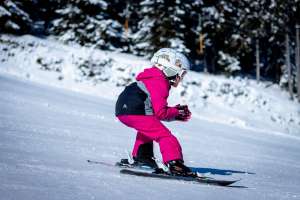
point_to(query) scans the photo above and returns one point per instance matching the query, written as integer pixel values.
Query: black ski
(145, 171)
(100, 163)
(121, 164)
(202, 180)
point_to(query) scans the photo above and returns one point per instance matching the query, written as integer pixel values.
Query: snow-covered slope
(235, 101)
(239, 129)
(47, 134)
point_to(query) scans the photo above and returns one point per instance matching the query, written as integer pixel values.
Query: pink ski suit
(149, 127)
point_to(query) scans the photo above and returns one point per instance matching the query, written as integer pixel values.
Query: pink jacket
(158, 86)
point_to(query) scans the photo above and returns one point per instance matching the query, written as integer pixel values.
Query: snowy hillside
(238, 129)
(47, 134)
(236, 102)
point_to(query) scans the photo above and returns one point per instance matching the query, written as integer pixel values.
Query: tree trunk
(257, 60)
(288, 64)
(298, 60)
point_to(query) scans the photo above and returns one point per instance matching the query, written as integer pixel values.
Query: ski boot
(145, 156)
(177, 168)
(143, 159)
(144, 163)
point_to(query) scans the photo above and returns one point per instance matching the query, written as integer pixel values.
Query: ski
(199, 179)
(121, 165)
(100, 163)
(146, 171)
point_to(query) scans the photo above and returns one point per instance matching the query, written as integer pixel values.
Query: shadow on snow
(218, 171)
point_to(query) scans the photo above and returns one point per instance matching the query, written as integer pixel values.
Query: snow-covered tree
(219, 21)
(13, 19)
(87, 23)
(229, 63)
(164, 24)
(205, 30)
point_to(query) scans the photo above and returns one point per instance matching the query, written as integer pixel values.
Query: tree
(88, 23)
(13, 19)
(165, 24)
(297, 55)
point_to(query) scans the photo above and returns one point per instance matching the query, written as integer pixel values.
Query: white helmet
(171, 62)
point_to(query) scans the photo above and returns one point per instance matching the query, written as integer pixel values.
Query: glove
(184, 113)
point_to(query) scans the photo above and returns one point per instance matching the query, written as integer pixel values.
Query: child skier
(143, 104)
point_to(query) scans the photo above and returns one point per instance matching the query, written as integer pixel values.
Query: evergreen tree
(14, 19)
(229, 28)
(164, 24)
(26, 17)
(87, 23)
(218, 24)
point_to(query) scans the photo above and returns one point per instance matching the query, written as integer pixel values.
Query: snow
(53, 118)
(211, 12)
(12, 25)
(14, 9)
(4, 12)
(231, 64)
(243, 101)
(47, 134)
(102, 3)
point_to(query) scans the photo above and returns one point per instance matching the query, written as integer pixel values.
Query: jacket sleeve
(159, 92)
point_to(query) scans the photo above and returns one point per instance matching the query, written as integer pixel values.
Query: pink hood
(158, 86)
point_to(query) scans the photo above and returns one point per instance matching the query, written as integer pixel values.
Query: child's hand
(184, 113)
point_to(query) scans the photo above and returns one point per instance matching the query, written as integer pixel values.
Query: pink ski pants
(149, 128)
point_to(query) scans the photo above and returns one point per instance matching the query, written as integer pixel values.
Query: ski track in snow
(47, 134)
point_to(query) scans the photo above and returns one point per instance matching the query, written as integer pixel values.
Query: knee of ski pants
(148, 126)
(153, 129)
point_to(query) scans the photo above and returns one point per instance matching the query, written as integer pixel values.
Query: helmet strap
(159, 66)
(172, 79)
